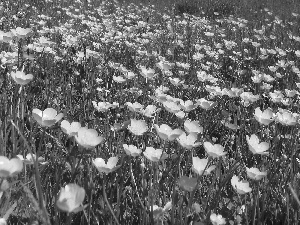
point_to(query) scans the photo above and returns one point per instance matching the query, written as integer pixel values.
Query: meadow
(149, 112)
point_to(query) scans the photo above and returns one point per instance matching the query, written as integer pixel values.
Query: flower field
(121, 113)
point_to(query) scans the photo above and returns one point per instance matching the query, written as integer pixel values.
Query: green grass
(226, 52)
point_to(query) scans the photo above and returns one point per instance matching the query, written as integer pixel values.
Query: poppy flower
(153, 154)
(193, 127)
(204, 104)
(241, 187)
(147, 73)
(264, 117)
(188, 141)
(257, 147)
(3, 221)
(187, 183)
(21, 78)
(108, 167)
(188, 105)
(286, 117)
(119, 79)
(255, 174)
(199, 166)
(70, 129)
(166, 133)
(88, 138)
(165, 66)
(217, 219)
(46, 118)
(276, 96)
(71, 198)
(29, 160)
(137, 127)
(149, 111)
(102, 106)
(172, 106)
(20, 32)
(132, 150)
(9, 168)
(158, 212)
(134, 107)
(215, 150)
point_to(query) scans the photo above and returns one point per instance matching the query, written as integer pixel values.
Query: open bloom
(199, 165)
(187, 183)
(286, 117)
(70, 129)
(132, 150)
(71, 198)
(204, 104)
(46, 118)
(149, 111)
(164, 65)
(153, 154)
(192, 127)
(265, 117)
(215, 150)
(217, 219)
(158, 212)
(241, 187)
(172, 106)
(20, 32)
(188, 141)
(257, 147)
(166, 133)
(29, 160)
(11, 167)
(134, 107)
(21, 78)
(147, 73)
(88, 138)
(108, 167)
(188, 105)
(255, 174)
(3, 221)
(137, 127)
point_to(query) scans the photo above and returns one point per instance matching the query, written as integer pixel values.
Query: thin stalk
(106, 201)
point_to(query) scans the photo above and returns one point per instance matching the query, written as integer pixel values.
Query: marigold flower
(71, 198)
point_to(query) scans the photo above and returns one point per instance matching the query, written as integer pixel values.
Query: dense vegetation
(129, 113)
